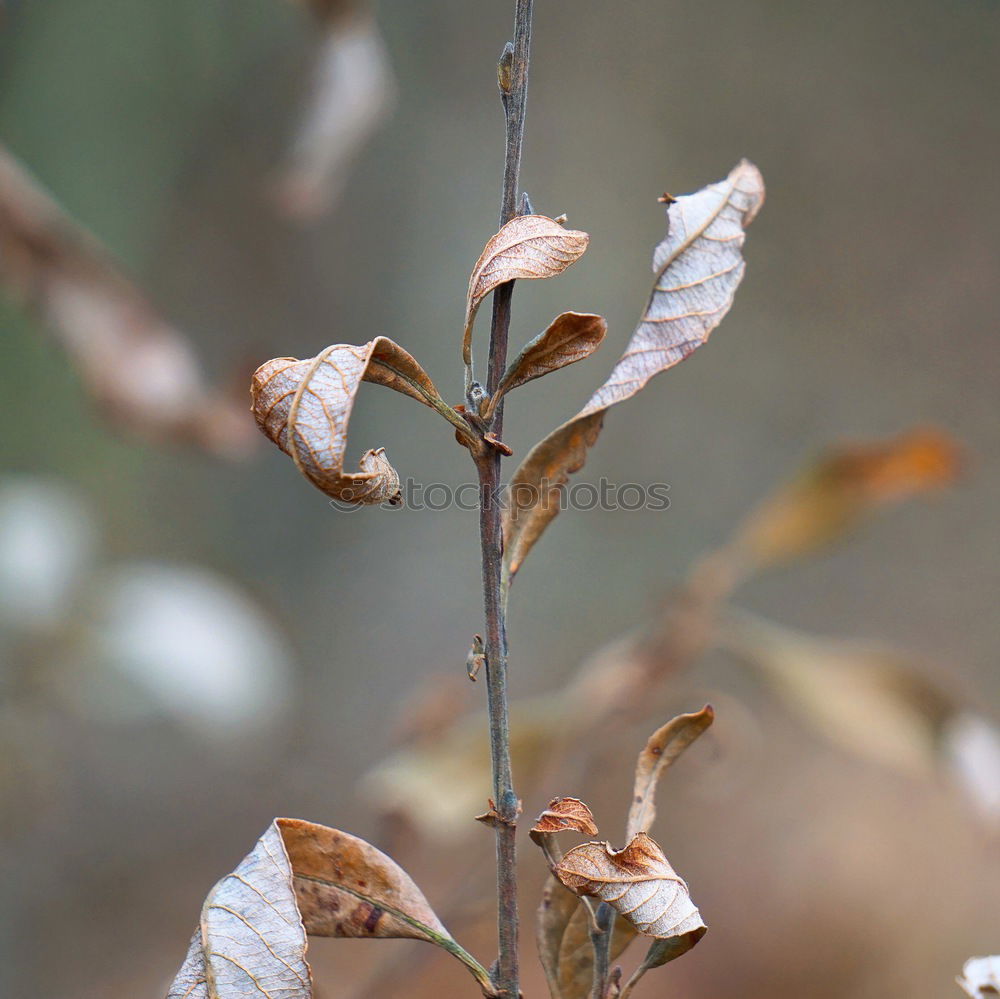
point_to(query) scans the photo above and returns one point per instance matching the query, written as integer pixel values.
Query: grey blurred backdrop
(870, 304)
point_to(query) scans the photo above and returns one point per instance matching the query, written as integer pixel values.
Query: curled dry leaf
(563, 814)
(527, 247)
(698, 268)
(842, 487)
(665, 745)
(571, 337)
(351, 91)
(980, 977)
(638, 882)
(140, 371)
(564, 944)
(302, 878)
(305, 407)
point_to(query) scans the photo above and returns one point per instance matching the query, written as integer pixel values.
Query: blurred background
(191, 644)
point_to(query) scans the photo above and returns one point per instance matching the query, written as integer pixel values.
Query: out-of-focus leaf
(527, 247)
(638, 882)
(437, 785)
(564, 945)
(251, 939)
(352, 89)
(302, 878)
(970, 746)
(980, 977)
(698, 267)
(571, 337)
(839, 490)
(140, 371)
(564, 814)
(858, 695)
(665, 745)
(305, 407)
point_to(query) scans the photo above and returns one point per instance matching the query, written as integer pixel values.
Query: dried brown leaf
(351, 92)
(564, 945)
(251, 937)
(140, 371)
(638, 882)
(302, 878)
(839, 490)
(535, 490)
(563, 814)
(980, 977)
(571, 337)
(347, 888)
(527, 247)
(665, 745)
(305, 407)
(698, 267)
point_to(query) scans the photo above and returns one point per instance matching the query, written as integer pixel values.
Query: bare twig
(513, 81)
(600, 939)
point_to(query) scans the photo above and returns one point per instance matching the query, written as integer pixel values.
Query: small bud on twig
(505, 69)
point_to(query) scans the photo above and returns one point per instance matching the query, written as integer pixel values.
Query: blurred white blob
(182, 642)
(971, 748)
(980, 977)
(47, 543)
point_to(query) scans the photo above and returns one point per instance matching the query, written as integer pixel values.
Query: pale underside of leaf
(251, 941)
(637, 881)
(564, 945)
(665, 745)
(305, 406)
(528, 247)
(698, 268)
(980, 977)
(570, 337)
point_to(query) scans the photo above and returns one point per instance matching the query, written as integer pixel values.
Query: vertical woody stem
(513, 79)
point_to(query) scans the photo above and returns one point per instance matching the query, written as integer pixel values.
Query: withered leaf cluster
(637, 882)
(305, 406)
